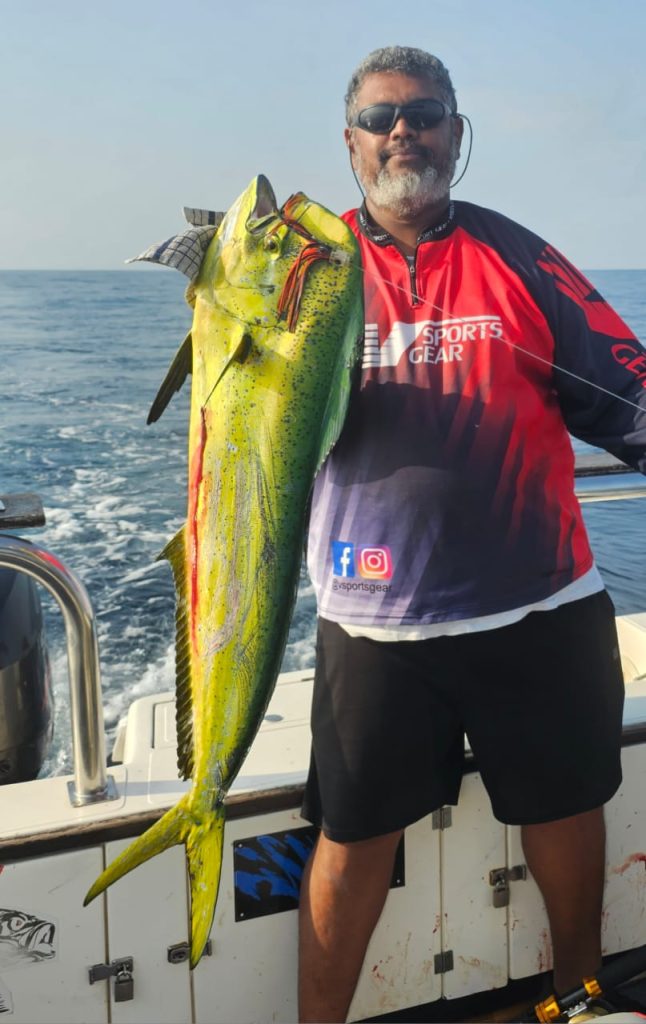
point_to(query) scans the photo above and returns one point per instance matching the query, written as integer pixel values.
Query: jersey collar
(377, 234)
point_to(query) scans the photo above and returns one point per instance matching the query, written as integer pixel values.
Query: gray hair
(408, 61)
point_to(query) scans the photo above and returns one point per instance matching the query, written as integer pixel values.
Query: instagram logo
(375, 563)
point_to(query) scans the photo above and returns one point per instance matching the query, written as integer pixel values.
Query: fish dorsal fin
(337, 405)
(179, 370)
(184, 252)
(198, 218)
(174, 552)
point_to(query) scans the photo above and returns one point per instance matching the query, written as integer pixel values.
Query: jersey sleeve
(600, 365)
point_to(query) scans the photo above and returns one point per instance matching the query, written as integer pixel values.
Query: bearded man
(457, 593)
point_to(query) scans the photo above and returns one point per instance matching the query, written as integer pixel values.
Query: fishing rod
(578, 999)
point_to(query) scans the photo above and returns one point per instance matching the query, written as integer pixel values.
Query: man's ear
(458, 130)
(349, 141)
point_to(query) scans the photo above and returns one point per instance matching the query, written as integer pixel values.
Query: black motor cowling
(26, 718)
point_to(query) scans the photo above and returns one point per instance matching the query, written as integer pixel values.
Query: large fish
(278, 317)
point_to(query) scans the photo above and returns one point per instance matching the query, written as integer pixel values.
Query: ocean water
(83, 354)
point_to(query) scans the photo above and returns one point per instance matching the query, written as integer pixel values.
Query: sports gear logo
(428, 341)
(372, 562)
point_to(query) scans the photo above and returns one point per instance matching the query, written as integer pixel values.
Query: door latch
(122, 971)
(500, 878)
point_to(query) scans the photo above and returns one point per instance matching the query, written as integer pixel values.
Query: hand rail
(91, 784)
(602, 477)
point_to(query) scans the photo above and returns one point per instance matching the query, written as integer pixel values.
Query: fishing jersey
(450, 493)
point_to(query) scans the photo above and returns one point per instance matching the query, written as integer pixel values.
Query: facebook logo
(342, 558)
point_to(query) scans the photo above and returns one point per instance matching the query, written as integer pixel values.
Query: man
(456, 588)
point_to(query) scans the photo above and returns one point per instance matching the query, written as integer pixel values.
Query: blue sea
(83, 354)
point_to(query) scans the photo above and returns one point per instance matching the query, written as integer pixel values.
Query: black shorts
(541, 703)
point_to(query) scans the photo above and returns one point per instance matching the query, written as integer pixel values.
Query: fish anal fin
(180, 368)
(174, 552)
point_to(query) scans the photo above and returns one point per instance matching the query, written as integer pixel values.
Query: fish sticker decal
(25, 940)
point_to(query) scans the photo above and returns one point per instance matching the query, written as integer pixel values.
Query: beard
(408, 192)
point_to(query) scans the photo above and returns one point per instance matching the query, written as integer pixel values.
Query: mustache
(408, 148)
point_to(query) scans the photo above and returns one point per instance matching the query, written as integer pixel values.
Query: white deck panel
(50, 890)
(472, 927)
(280, 752)
(147, 911)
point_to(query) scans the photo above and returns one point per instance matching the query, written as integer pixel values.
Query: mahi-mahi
(277, 298)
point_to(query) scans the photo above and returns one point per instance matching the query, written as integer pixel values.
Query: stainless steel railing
(91, 783)
(598, 478)
(601, 477)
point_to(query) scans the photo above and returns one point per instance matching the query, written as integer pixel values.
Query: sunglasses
(381, 118)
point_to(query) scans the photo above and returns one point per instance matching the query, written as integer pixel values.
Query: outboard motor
(26, 721)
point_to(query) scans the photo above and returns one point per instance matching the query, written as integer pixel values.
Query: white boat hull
(441, 934)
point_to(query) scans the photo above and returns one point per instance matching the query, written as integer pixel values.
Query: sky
(115, 115)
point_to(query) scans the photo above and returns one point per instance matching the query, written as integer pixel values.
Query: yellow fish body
(275, 336)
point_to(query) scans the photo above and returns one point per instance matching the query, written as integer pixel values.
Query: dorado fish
(277, 298)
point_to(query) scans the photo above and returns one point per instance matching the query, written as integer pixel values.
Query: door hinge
(499, 880)
(442, 818)
(443, 962)
(121, 970)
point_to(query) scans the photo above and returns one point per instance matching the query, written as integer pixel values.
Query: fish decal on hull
(25, 939)
(278, 318)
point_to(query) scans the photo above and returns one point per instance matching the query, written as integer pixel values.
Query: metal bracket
(443, 962)
(181, 951)
(77, 799)
(500, 878)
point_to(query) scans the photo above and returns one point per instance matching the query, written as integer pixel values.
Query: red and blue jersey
(450, 493)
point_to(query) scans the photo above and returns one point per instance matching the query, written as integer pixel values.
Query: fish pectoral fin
(240, 346)
(179, 370)
(204, 853)
(243, 349)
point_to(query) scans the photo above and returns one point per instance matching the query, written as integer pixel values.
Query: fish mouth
(265, 204)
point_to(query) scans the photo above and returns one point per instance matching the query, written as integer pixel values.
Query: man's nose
(401, 128)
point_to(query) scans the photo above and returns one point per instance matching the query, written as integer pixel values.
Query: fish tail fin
(172, 828)
(204, 852)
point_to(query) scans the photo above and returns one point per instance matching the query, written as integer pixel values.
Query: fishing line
(463, 117)
(447, 313)
(512, 344)
(466, 164)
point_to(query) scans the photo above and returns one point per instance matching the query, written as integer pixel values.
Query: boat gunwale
(237, 805)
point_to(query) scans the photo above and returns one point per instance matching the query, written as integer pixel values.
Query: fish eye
(271, 244)
(339, 258)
